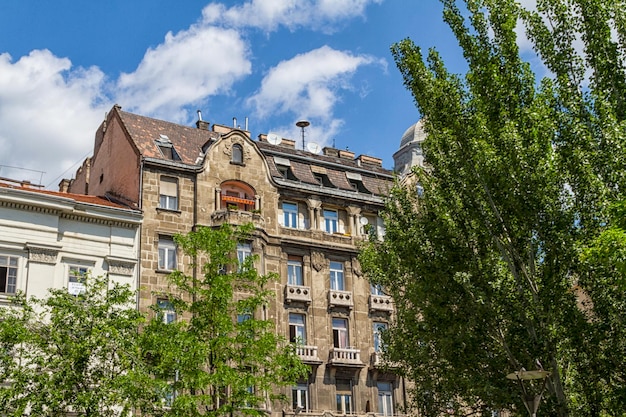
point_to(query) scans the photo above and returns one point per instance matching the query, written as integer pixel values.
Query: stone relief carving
(318, 260)
(42, 255)
(356, 267)
(121, 267)
(228, 149)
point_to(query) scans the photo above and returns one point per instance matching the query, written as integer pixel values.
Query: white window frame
(168, 200)
(343, 398)
(297, 328)
(166, 310)
(168, 258)
(385, 398)
(294, 272)
(76, 278)
(378, 328)
(337, 278)
(8, 274)
(331, 220)
(244, 251)
(341, 335)
(377, 289)
(290, 214)
(300, 397)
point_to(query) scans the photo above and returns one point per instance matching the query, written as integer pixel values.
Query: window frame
(295, 271)
(385, 398)
(301, 388)
(377, 326)
(8, 264)
(167, 246)
(166, 310)
(244, 251)
(331, 222)
(168, 201)
(290, 217)
(76, 275)
(341, 334)
(337, 276)
(297, 329)
(343, 397)
(237, 154)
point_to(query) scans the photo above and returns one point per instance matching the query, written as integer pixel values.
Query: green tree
(495, 267)
(223, 355)
(73, 353)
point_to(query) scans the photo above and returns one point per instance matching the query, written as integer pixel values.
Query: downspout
(140, 203)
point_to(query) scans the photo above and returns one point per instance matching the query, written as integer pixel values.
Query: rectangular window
(344, 396)
(8, 274)
(166, 311)
(168, 193)
(336, 276)
(297, 328)
(167, 254)
(377, 289)
(385, 398)
(76, 279)
(330, 221)
(300, 397)
(340, 333)
(294, 271)
(379, 329)
(290, 215)
(244, 251)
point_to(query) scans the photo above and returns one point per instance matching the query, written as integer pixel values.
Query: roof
(188, 142)
(79, 198)
(415, 133)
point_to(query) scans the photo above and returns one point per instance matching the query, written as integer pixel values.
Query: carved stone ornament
(318, 260)
(121, 267)
(356, 267)
(42, 255)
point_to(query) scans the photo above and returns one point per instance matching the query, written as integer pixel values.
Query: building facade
(310, 212)
(50, 239)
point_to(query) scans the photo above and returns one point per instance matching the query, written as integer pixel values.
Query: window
(76, 279)
(244, 251)
(237, 157)
(340, 333)
(330, 221)
(336, 276)
(379, 329)
(167, 254)
(8, 274)
(385, 398)
(300, 397)
(297, 328)
(290, 215)
(344, 396)
(236, 195)
(294, 271)
(168, 193)
(166, 311)
(377, 289)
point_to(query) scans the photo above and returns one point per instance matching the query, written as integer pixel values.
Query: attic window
(323, 180)
(167, 148)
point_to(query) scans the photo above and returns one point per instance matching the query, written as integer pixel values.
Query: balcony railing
(378, 361)
(338, 298)
(308, 354)
(345, 357)
(381, 303)
(297, 293)
(237, 217)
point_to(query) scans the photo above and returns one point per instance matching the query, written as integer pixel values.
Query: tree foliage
(73, 353)
(224, 354)
(513, 255)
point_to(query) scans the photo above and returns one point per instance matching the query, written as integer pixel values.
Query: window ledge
(241, 164)
(166, 210)
(164, 271)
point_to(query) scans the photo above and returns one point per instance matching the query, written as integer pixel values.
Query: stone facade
(310, 212)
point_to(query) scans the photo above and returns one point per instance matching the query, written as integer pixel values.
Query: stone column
(353, 219)
(314, 213)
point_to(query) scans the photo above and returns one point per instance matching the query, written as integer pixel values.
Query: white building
(48, 239)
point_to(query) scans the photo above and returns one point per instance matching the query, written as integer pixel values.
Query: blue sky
(64, 63)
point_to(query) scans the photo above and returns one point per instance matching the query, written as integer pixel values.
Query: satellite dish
(313, 147)
(274, 139)
(363, 221)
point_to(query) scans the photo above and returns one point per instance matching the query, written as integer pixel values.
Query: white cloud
(48, 113)
(268, 15)
(185, 69)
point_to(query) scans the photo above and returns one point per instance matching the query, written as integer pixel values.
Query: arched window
(236, 195)
(237, 157)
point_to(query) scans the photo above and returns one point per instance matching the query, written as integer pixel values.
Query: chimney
(201, 124)
(64, 185)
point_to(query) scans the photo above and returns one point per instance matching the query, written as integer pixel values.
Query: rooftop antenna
(302, 124)
(199, 114)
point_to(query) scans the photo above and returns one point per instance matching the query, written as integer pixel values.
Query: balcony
(237, 217)
(297, 294)
(308, 354)
(381, 303)
(338, 298)
(378, 361)
(348, 357)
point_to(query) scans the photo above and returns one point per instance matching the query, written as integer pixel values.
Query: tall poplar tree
(512, 257)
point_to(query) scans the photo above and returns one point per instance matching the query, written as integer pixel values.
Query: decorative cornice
(42, 254)
(120, 266)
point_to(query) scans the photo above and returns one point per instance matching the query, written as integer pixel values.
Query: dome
(415, 133)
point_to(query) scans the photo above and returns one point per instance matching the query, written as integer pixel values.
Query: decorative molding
(318, 260)
(120, 267)
(228, 149)
(42, 254)
(356, 267)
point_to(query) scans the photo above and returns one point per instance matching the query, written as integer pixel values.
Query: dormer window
(167, 148)
(237, 156)
(356, 182)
